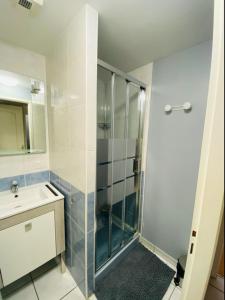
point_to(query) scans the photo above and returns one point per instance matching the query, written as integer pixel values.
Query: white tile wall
(24, 164)
(72, 79)
(91, 97)
(66, 103)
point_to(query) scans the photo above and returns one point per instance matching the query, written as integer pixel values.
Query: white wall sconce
(186, 107)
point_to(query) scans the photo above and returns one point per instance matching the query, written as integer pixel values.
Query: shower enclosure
(121, 102)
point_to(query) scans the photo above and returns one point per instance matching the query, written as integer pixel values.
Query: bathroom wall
(174, 146)
(33, 65)
(72, 84)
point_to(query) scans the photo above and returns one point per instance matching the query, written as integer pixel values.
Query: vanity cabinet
(29, 240)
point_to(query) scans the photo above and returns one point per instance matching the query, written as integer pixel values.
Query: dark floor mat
(140, 276)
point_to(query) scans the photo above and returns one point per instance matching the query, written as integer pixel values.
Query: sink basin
(27, 198)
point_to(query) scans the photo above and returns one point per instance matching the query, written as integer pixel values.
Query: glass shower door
(119, 161)
(119, 164)
(133, 160)
(104, 167)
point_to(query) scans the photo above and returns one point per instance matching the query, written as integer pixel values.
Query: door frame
(209, 205)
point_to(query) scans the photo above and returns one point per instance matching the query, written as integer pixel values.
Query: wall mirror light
(22, 115)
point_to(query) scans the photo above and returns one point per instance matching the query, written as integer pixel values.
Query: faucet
(14, 187)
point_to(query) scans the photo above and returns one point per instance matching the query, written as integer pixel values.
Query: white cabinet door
(26, 246)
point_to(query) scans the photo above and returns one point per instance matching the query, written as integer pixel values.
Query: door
(26, 246)
(11, 128)
(118, 163)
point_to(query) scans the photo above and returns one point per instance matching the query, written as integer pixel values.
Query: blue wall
(174, 148)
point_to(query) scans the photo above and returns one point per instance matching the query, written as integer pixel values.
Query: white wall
(32, 65)
(174, 146)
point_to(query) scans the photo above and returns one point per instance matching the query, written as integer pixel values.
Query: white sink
(27, 198)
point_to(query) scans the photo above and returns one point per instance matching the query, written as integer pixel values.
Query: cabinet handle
(28, 227)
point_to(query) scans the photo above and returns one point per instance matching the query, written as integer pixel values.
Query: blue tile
(65, 185)
(68, 255)
(82, 287)
(77, 269)
(38, 177)
(5, 183)
(91, 211)
(78, 241)
(91, 283)
(54, 179)
(66, 194)
(78, 207)
(67, 200)
(68, 229)
(90, 250)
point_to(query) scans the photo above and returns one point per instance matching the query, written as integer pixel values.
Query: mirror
(22, 115)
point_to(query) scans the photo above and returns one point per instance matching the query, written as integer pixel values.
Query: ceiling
(131, 32)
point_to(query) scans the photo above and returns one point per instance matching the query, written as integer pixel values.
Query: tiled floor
(216, 289)
(48, 283)
(218, 283)
(214, 294)
(173, 293)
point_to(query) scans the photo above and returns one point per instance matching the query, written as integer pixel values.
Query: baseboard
(169, 260)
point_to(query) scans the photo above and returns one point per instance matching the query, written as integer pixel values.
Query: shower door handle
(136, 166)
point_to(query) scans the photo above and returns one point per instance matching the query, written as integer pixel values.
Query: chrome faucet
(14, 187)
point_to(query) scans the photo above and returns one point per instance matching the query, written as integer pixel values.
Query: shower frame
(133, 81)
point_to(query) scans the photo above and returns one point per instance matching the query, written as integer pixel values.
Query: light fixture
(35, 87)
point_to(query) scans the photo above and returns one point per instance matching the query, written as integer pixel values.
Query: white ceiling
(131, 32)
